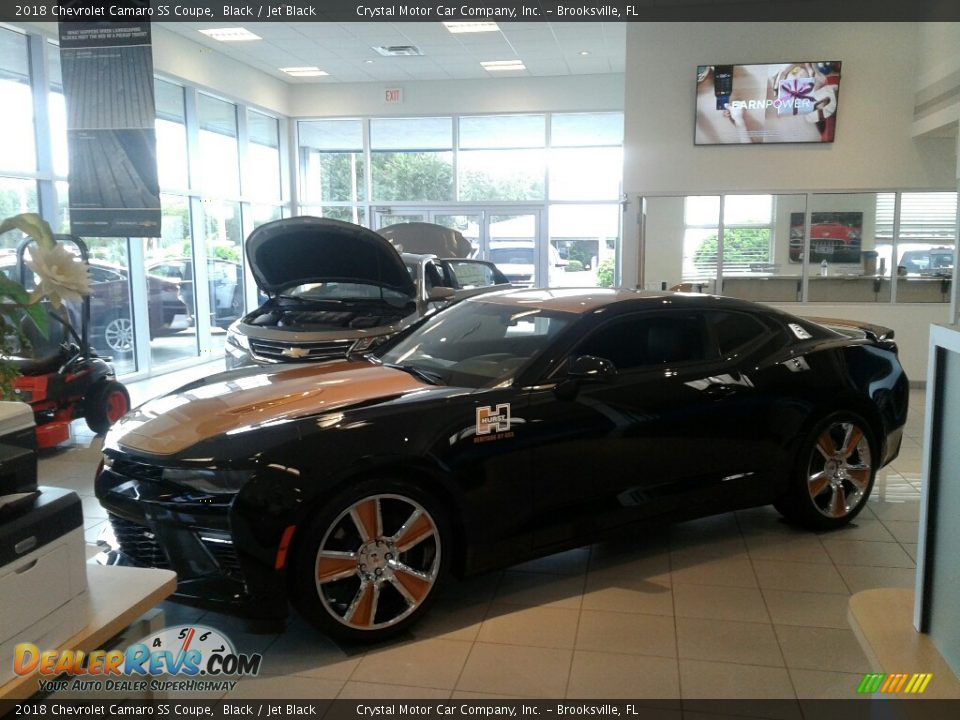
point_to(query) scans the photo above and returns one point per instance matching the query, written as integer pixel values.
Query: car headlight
(237, 339)
(215, 482)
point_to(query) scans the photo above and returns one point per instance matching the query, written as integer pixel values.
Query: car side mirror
(590, 368)
(440, 293)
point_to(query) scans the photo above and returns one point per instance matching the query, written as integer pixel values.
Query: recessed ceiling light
(501, 65)
(471, 27)
(307, 71)
(584, 52)
(234, 34)
(368, 62)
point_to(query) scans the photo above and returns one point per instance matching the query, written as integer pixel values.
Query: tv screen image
(774, 103)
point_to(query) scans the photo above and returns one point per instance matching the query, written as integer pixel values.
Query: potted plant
(59, 278)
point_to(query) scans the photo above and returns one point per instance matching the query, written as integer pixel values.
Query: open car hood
(427, 239)
(299, 250)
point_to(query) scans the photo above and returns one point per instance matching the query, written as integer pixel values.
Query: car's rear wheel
(834, 474)
(105, 403)
(372, 562)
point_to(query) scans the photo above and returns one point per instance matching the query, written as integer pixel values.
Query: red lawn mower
(63, 378)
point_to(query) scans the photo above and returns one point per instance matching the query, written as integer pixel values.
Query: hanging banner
(108, 86)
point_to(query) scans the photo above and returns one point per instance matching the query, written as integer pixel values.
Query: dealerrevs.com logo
(193, 658)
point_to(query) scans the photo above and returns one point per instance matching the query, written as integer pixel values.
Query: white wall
(938, 79)
(873, 148)
(526, 94)
(178, 57)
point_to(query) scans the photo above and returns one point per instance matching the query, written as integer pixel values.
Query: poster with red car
(834, 237)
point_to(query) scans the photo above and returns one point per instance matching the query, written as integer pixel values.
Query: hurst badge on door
(493, 423)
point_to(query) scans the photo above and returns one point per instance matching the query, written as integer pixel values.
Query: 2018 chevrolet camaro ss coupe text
(508, 426)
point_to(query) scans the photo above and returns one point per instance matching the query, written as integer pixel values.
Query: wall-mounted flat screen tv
(776, 103)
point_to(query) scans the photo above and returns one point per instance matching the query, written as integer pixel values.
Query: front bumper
(163, 525)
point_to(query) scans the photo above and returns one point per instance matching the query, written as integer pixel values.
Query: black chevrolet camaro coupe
(508, 426)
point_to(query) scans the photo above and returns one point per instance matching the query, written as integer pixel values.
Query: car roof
(585, 300)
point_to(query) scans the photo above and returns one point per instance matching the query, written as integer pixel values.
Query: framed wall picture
(834, 237)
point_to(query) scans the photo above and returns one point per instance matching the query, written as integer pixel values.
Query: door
(643, 444)
(510, 237)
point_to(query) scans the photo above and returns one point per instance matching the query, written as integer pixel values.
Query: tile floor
(736, 605)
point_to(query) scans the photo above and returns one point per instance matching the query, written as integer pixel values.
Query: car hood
(224, 404)
(427, 239)
(301, 250)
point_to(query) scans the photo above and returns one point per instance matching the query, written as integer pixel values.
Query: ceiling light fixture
(234, 34)
(584, 52)
(501, 65)
(471, 27)
(307, 71)
(397, 50)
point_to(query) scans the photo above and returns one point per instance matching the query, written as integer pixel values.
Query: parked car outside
(508, 426)
(111, 326)
(336, 288)
(224, 278)
(932, 261)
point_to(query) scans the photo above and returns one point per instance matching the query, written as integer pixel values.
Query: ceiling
(345, 50)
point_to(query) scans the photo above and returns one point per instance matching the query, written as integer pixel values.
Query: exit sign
(393, 96)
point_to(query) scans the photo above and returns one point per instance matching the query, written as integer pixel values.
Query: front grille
(304, 351)
(138, 543)
(136, 470)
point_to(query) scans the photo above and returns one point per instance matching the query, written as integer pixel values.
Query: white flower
(62, 275)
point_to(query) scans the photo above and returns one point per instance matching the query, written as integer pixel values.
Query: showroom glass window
(747, 235)
(412, 159)
(219, 164)
(585, 163)
(57, 114)
(501, 158)
(16, 128)
(172, 156)
(262, 179)
(925, 246)
(586, 156)
(332, 168)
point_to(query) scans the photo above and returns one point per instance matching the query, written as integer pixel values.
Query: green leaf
(33, 225)
(13, 290)
(38, 314)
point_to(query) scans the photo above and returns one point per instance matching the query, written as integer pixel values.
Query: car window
(735, 330)
(478, 344)
(100, 274)
(471, 274)
(643, 341)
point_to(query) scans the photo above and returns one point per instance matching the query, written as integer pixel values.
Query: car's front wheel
(372, 562)
(834, 473)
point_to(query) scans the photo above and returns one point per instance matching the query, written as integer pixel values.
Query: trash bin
(869, 262)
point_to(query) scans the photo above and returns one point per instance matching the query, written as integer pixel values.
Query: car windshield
(339, 291)
(477, 344)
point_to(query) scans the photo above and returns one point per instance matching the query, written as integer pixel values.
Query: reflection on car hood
(177, 421)
(301, 250)
(427, 239)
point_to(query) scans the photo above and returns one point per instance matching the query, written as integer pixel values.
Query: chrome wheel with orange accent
(376, 564)
(836, 473)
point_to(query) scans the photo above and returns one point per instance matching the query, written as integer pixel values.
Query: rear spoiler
(875, 333)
